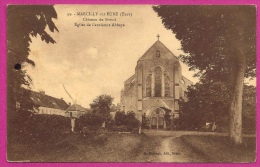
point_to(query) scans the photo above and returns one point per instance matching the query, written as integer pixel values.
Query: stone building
(157, 86)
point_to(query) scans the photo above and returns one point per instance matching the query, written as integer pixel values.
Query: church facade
(157, 86)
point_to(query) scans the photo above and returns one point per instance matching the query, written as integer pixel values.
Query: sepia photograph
(131, 83)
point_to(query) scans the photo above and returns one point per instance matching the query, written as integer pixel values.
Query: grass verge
(220, 149)
(74, 148)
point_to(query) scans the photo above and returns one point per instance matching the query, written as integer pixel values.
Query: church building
(156, 88)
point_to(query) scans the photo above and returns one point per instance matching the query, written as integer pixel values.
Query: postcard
(131, 83)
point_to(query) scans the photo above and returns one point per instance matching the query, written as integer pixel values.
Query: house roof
(76, 107)
(41, 99)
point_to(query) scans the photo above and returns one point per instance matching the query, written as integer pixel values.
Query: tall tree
(220, 42)
(102, 104)
(23, 23)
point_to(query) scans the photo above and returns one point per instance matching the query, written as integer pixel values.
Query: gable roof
(158, 46)
(76, 107)
(43, 100)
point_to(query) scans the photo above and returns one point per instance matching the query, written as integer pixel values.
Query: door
(160, 123)
(157, 119)
(154, 123)
(157, 123)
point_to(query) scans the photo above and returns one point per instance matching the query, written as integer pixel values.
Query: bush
(120, 118)
(26, 127)
(91, 120)
(126, 122)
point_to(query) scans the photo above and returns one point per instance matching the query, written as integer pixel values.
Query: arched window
(167, 86)
(149, 86)
(158, 82)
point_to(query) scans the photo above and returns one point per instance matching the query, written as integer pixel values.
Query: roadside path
(171, 148)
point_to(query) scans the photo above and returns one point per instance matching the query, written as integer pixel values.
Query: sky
(91, 60)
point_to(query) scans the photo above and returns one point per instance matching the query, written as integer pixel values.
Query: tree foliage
(209, 36)
(102, 104)
(126, 119)
(209, 102)
(220, 41)
(23, 23)
(100, 113)
(91, 120)
(249, 107)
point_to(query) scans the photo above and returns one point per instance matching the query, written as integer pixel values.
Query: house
(75, 111)
(45, 104)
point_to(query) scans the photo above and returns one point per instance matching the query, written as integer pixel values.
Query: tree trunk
(236, 101)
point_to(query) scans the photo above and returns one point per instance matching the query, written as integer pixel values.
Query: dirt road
(167, 146)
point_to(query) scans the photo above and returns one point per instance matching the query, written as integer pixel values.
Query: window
(149, 86)
(158, 81)
(167, 86)
(158, 54)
